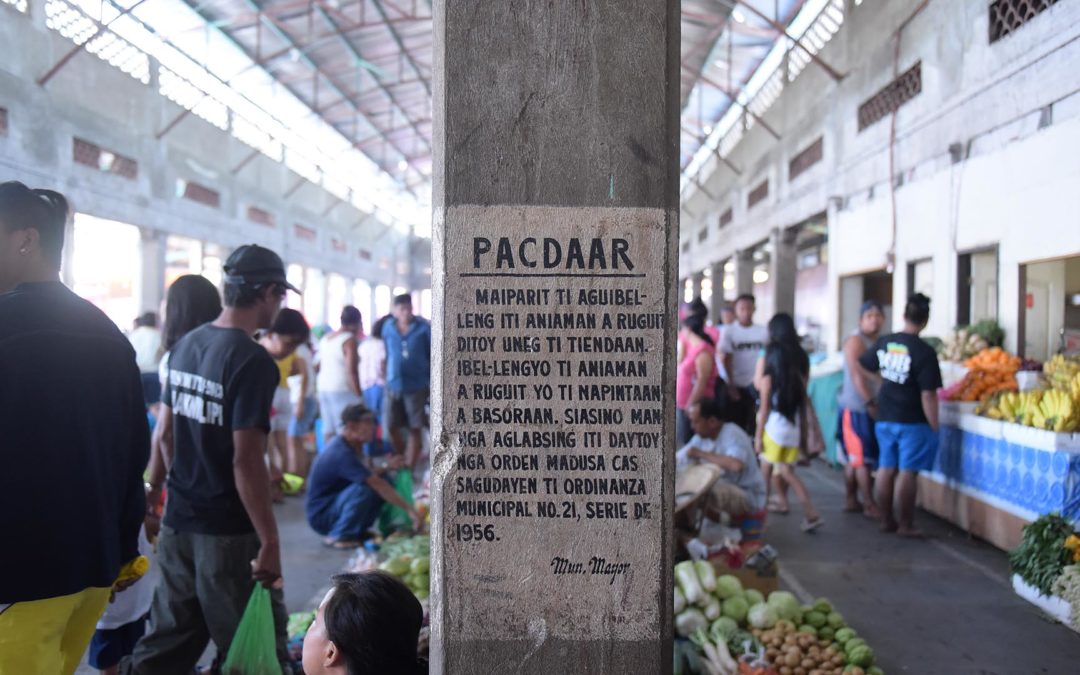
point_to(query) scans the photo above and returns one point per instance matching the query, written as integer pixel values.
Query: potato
(838, 659)
(784, 670)
(800, 671)
(857, 671)
(791, 659)
(808, 663)
(814, 650)
(771, 653)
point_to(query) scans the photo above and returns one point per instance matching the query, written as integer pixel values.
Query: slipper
(776, 508)
(810, 526)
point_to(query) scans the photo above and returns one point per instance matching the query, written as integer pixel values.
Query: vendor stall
(1001, 469)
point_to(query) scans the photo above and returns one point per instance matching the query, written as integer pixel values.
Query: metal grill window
(201, 194)
(806, 159)
(95, 157)
(260, 216)
(726, 218)
(1007, 16)
(758, 194)
(889, 99)
(3, 121)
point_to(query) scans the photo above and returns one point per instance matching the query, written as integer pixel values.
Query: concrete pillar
(783, 269)
(716, 302)
(744, 272)
(695, 281)
(555, 228)
(150, 288)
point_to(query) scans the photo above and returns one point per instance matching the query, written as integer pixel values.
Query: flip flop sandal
(773, 507)
(810, 526)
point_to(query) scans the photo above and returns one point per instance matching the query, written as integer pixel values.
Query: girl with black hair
(367, 624)
(289, 330)
(783, 375)
(907, 414)
(695, 378)
(190, 302)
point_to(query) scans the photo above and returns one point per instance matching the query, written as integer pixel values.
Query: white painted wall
(1012, 108)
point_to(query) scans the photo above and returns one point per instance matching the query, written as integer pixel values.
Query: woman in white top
(338, 381)
(373, 367)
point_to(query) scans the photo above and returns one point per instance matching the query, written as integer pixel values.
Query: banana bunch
(1061, 371)
(1056, 412)
(1016, 407)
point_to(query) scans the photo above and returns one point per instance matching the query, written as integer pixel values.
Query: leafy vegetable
(680, 600)
(706, 574)
(723, 629)
(736, 608)
(689, 621)
(728, 586)
(762, 615)
(1067, 587)
(785, 603)
(754, 596)
(712, 608)
(687, 578)
(1041, 555)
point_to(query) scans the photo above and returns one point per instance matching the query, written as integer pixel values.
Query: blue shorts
(109, 646)
(857, 440)
(908, 447)
(302, 426)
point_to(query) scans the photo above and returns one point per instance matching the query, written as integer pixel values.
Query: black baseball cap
(254, 265)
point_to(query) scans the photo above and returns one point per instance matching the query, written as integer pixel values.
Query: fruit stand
(1001, 464)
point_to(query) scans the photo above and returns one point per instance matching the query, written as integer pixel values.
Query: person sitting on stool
(344, 493)
(741, 490)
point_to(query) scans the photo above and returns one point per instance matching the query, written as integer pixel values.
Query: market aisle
(941, 606)
(307, 564)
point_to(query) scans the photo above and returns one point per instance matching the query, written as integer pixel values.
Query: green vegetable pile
(726, 623)
(409, 560)
(1041, 556)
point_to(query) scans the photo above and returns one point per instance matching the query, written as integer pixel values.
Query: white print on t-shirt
(895, 362)
(192, 404)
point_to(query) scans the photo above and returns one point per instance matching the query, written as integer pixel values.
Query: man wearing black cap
(219, 533)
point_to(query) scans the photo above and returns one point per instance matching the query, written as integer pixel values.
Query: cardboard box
(765, 582)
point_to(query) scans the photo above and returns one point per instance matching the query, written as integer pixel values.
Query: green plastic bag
(254, 647)
(392, 518)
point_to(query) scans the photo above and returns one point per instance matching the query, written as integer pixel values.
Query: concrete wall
(1009, 110)
(91, 100)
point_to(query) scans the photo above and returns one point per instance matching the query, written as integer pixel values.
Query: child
(124, 621)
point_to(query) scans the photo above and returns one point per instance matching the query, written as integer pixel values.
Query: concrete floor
(940, 606)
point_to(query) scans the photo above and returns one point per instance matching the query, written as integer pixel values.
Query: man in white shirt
(741, 345)
(741, 490)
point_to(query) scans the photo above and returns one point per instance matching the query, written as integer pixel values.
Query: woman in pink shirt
(696, 376)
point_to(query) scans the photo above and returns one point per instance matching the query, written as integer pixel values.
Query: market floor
(307, 564)
(940, 606)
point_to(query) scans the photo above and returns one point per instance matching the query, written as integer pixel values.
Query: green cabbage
(728, 586)
(785, 604)
(736, 608)
(723, 629)
(754, 596)
(762, 616)
(815, 619)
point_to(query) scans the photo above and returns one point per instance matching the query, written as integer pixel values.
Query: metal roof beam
(351, 48)
(400, 43)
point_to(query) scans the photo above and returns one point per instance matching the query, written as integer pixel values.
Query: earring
(24, 250)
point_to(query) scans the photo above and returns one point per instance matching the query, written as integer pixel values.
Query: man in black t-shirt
(906, 410)
(219, 532)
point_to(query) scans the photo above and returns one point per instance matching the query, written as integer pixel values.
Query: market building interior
(832, 153)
